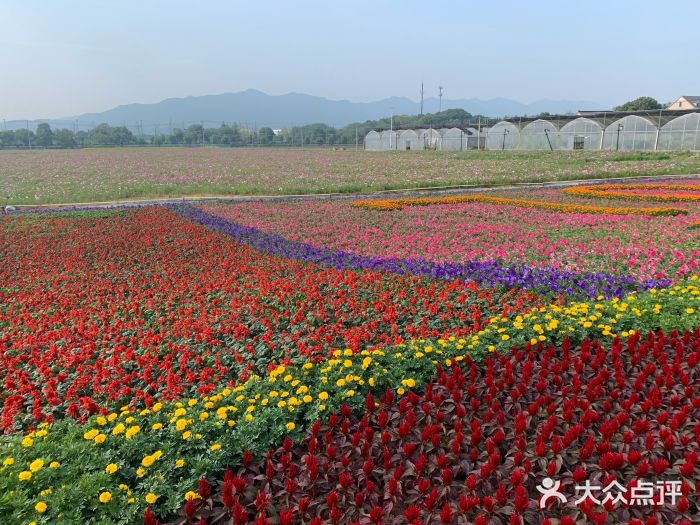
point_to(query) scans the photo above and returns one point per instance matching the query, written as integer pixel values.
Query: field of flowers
(337, 363)
(89, 175)
(641, 246)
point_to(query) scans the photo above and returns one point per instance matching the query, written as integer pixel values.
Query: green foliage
(639, 104)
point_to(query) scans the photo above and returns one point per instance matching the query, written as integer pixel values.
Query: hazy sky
(69, 57)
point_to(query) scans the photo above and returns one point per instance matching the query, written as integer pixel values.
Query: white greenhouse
(581, 133)
(504, 135)
(640, 131)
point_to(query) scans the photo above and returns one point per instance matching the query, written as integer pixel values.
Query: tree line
(230, 134)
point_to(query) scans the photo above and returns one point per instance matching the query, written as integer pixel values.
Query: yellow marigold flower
(186, 435)
(349, 393)
(192, 402)
(8, 462)
(36, 465)
(505, 337)
(179, 463)
(46, 492)
(148, 461)
(111, 468)
(119, 429)
(180, 424)
(288, 378)
(140, 472)
(290, 426)
(25, 475)
(410, 383)
(180, 412)
(90, 434)
(230, 422)
(123, 487)
(151, 498)
(340, 382)
(54, 464)
(190, 495)
(401, 391)
(100, 438)
(215, 447)
(307, 399)
(203, 416)
(690, 310)
(248, 417)
(157, 407)
(105, 497)
(157, 426)
(101, 420)
(111, 417)
(347, 363)
(132, 431)
(323, 396)
(41, 507)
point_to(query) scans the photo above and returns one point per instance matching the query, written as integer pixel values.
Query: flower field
(94, 174)
(327, 362)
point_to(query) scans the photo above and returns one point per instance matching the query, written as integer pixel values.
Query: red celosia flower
(376, 515)
(446, 514)
(149, 518)
(412, 513)
(286, 517)
(204, 488)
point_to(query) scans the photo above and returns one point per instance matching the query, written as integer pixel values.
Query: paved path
(315, 196)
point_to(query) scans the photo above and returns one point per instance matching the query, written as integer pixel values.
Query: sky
(59, 59)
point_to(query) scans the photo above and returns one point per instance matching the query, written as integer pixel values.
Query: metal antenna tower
(440, 97)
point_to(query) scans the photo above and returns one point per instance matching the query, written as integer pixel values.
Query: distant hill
(254, 107)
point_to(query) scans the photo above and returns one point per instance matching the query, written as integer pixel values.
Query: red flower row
(96, 312)
(474, 447)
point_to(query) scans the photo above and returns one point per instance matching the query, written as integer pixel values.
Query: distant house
(685, 102)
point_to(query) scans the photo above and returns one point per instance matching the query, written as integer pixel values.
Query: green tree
(7, 139)
(44, 135)
(24, 138)
(65, 138)
(193, 134)
(265, 135)
(639, 104)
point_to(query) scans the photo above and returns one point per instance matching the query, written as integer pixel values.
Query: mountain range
(255, 108)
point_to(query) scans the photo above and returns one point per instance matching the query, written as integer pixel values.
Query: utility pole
(440, 97)
(421, 98)
(391, 127)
